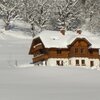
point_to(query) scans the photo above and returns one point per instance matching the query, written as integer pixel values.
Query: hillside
(19, 29)
(40, 83)
(15, 44)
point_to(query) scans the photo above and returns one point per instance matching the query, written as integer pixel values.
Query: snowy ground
(40, 83)
(14, 52)
(49, 83)
(14, 45)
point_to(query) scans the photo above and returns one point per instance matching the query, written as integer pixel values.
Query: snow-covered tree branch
(50, 14)
(9, 10)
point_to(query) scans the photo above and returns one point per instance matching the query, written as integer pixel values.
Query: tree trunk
(7, 26)
(33, 29)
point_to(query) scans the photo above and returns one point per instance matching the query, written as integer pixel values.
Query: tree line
(51, 14)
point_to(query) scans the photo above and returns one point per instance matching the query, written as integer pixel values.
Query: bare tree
(49, 14)
(90, 14)
(65, 11)
(9, 10)
(37, 14)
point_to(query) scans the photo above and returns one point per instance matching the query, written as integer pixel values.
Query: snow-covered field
(14, 52)
(49, 83)
(14, 45)
(21, 81)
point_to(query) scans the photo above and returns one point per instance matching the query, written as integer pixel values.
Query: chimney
(62, 30)
(79, 31)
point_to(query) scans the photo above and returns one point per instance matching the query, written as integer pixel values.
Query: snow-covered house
(53, 48)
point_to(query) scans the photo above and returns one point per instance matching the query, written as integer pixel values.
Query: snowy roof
(55, 39)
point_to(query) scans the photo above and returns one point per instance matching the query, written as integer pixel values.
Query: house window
(83, 62)
(62, 63)
(76, 50)
(82, 50)
(69, 62)
(91, 63)
(58, 62)
(77, 62)
(58, 51)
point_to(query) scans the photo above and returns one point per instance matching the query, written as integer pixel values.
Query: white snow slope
(40, 83)
(14, 45)
(49, 83)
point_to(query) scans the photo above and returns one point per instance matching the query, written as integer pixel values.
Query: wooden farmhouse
(53, 48)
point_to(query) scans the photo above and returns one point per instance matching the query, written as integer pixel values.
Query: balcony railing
(77, 55)
(37, 47)
(94, 56)
(40, 58)
(84, 55)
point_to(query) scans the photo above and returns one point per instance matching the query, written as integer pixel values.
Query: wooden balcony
(37, 47)
(84, 55)
(40, 58)
(77, 55)
(58, 55)
(94, 56)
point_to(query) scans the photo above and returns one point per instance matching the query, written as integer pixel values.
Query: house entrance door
(91, 63)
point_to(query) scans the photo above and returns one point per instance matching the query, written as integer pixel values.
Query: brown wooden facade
(80, 47)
